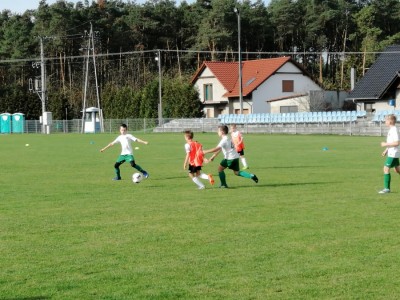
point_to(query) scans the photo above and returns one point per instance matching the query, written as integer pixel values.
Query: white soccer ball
(137, 177)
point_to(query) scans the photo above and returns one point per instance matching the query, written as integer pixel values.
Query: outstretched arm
(106, 147)
(141, 141)
(215, 150)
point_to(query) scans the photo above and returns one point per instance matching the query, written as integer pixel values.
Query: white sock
(203, 176)
(244, 162)
(197, 182)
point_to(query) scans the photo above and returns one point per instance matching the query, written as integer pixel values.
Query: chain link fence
(360, 127)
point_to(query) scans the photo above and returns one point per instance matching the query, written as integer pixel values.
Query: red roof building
(262, 81)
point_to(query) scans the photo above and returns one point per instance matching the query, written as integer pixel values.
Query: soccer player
(237, 139)
(391, 151)
(194, 157)
(231, 157)
(125, 140)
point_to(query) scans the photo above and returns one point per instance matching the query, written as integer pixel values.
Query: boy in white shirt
(125, 140)
(391, 151)
(231, 157)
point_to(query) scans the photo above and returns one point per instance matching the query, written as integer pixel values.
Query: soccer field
(314, 227)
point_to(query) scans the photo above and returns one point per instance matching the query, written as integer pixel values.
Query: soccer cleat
(211, 179)
(201, 187)
(255, 178)
(145, 174)
(384, 191)
(116, 178)
(245, 168)
(223, 186)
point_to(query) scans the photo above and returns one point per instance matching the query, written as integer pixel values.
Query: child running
(237, 139)
(194, 157)
(231, 158)
(391, 151)
(125, 140)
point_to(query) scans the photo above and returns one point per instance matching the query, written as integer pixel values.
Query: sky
(20, 6)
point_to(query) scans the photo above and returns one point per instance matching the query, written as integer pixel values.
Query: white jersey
(125, 141)
(392, 136)
(228, 149)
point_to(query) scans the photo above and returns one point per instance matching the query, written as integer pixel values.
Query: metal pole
(240, 62)
(160, 114)
(43, 78)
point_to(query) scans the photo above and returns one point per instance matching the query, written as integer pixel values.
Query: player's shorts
(193, 169)
(124, 158)
(392, 162)
(232, 164)
(241, 152)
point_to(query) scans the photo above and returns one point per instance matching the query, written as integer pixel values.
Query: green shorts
(123, 158)
(392, 162)
(232, 164)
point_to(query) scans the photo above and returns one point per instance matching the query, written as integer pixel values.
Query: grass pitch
(314, 226)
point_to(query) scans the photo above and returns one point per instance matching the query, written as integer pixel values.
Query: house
(262, 81)
(380, 83)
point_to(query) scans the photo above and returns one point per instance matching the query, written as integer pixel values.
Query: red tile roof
(254, 73)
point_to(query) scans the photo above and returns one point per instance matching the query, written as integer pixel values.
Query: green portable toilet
(5, 123)
(18, 123)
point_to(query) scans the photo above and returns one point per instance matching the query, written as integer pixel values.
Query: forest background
(328, 37)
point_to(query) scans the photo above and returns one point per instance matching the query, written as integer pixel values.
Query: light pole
(160, 115)
(236, 10)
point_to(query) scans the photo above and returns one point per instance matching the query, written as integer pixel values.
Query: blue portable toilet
(5, 123)
(18, 123)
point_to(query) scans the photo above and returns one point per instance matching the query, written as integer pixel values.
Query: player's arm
(215, 150)
(392, 144)
(106, 147)
(186, 160)
(142, 141)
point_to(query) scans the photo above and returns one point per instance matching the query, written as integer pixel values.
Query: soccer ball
(137, 177)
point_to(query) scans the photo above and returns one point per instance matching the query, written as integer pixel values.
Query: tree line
(328, 37)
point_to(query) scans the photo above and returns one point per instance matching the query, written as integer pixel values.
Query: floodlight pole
(160, 114)
(43, 87)
(236, 10)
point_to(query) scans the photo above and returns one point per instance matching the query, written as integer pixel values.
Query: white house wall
(301, 102)
(272, 88)
(207, 77)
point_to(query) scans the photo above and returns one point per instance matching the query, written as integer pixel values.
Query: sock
(203, 176)
(244, 162)
(222, 178)
(139, 168)
(245, 174)
(386, 180)
(117, 172)
(197, 182)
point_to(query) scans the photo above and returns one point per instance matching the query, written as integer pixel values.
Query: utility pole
(91, 48)
(236, 10)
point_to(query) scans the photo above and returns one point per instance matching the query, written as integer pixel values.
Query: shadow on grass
(295, 184)
(27, 298)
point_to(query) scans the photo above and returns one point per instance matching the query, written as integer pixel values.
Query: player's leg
(117, 170)
(137, 167)
(208, 177)
(234, 166)
(221, 173)
(243, 160)
(196, 177)
(386, 175)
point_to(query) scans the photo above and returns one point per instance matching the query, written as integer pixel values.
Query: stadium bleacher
(287, 118)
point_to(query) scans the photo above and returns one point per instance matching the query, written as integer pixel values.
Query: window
(287, 86)
(289, 109)
(208, 94)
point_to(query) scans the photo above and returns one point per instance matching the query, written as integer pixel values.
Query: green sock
(222, 178)
(245, 174)
(117, 172)
(139, 168)
(386, 180)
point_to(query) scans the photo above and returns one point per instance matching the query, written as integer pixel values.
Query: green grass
(314, 226)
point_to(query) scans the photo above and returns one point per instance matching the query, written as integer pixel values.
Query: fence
(361, 126)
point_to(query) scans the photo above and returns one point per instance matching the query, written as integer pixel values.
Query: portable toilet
(5, 123)
(18, 123)
(92, 120)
